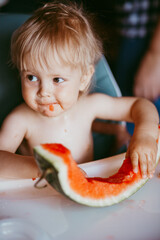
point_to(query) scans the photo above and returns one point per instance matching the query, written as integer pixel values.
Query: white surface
(137, 218)
(20, 229)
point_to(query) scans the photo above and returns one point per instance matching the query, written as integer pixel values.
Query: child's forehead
(44, 53)
(52, 64)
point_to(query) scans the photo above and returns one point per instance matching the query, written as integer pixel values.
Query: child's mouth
(49, 106)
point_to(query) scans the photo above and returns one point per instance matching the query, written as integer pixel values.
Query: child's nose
(45, 90)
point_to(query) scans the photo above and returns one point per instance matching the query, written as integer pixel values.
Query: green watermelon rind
(58, 178)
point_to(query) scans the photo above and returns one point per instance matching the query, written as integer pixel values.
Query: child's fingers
(134, 160)
(144, 166)
(150, 169)
(151, 166)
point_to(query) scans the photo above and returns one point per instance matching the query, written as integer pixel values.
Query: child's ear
(86, 78)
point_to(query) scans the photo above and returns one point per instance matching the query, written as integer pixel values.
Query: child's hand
(143, 151)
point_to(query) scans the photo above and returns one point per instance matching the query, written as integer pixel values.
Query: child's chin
(49, 114)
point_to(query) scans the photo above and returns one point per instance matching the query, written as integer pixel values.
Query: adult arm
(147, 79)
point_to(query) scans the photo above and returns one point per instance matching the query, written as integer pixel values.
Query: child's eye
(32, 78)
(58, 80)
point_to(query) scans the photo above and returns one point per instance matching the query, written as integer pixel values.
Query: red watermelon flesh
(63, 173)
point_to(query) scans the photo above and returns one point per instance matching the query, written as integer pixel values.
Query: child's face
(51, 91)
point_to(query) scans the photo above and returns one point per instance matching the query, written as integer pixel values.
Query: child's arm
(17, 166)
(12, 133)
(143, 146)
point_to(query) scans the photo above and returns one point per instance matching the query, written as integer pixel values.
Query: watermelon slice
(63, 174)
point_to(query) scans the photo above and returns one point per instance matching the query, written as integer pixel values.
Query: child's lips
(49, 106)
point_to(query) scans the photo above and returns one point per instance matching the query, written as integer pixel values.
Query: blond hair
(58, 30)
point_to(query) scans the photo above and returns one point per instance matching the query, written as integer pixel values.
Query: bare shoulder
(17, 117)
(96, 99)
(93, 104)
(14, 129)
(21, 111)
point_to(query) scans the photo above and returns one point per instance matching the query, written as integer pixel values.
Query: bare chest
(75, 134)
